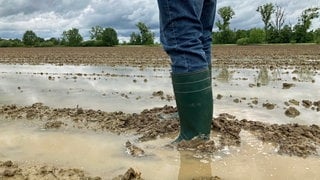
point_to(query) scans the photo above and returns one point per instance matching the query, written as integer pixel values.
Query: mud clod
(287, 85)
(292, 112)
(269, 106)
(133, 150)
(130, 174)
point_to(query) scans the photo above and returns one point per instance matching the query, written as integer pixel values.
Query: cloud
(49, 18)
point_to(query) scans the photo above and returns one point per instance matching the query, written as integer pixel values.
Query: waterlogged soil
(291, 139)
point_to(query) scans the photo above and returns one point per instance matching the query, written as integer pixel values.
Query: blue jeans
(185, 33)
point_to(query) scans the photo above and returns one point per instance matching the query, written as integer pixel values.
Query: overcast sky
(49, 18)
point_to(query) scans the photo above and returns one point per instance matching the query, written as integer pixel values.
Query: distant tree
(96, 33)
(135, 39)
(72, 37)
(109, 37)
(225, 34)
(29, 38)
(54, 41)
(242, 34)
(147, 37)
(279, 18)
(286, 34)
(316, 36)
(308, 15)
(226, 13)
(266, 11)
(257, 36)
(301, 34)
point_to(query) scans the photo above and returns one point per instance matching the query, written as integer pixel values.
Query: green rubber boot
(193, 93)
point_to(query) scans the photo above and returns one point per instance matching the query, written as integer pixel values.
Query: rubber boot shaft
(193, 93)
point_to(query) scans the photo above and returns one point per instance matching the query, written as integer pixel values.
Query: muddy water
(131, 90)
(104, 155)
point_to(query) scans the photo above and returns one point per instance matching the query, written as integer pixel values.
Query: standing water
(131, 90)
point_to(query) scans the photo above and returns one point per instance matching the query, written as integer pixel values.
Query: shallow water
(104, 154)
(131, 89)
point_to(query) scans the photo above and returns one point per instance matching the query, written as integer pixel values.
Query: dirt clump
(294, 102)
(287, 85)
(306, 103)
(269, 106)
(292, 112)
(133, 150)
(130, 174)
(53, 124)
(198, 145)
(229, 129)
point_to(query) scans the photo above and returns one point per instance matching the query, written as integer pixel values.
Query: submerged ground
(81, 113)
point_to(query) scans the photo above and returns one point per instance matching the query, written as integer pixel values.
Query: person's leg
(207, 20)
(181, 32)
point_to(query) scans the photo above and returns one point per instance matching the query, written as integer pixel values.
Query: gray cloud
(49, 18)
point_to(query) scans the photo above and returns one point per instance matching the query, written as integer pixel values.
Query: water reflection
(263, 77)
(224, 75)
(304, 74)
(192, 168)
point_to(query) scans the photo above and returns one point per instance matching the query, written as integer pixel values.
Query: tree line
(99, 36)
(275, 29)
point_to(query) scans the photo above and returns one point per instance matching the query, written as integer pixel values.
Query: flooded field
(72, 117)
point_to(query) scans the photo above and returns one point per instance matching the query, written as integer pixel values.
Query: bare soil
(272, 56)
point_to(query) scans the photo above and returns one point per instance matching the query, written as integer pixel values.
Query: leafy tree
(301, 34)
(286, 34)
(225, 35)
(308, 15)
(242, 34)
(226, 13)
(135, 39)
(96, 33)
(316, 35)
(243, 41)
(110, 37)
(273, 35)
(71, 37)
(29, 38)
(257, 36)
(144, 37)
(54, 41)
(266, 11)
(147, 37)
